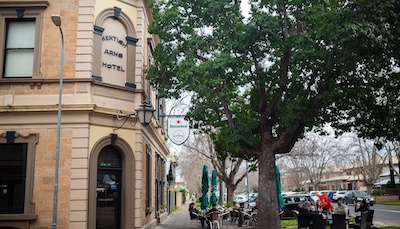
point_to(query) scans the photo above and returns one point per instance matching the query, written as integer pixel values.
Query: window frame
(20, 151)
(22, 11)
(11, 137)
(149, 181)
(8, 24)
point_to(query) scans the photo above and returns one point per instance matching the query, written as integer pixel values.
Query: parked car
(239, 199)
(329, 193)
(339, 194)
(289, 193)
(252, 201)
(351, 197)
(315, 192)
(252, 195)
(292, 203)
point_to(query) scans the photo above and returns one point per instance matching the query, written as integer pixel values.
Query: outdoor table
(328, 218)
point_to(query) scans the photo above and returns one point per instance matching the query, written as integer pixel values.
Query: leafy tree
(262, 81)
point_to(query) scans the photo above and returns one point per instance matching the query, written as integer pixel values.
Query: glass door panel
(108, 198)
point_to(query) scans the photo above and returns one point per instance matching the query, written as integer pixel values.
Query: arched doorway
(127, 184)
(109, 186)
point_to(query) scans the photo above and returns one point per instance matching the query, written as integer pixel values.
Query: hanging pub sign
(178, 130)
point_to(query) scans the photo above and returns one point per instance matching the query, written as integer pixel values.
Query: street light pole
(57, 21)
(247, 183)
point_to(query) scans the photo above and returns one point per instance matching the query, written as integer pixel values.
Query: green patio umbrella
(204, 188)
(281, 202)
(213, 198)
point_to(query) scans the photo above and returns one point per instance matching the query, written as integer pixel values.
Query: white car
(315, 192)
(240, 199)
(252, 201)
(339, 194)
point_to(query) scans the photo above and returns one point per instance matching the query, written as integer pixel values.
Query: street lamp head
(145, 113)
(56, 19)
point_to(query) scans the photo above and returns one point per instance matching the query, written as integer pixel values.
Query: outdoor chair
(255, 219)
(317, 221)
(363, 222)
(213, 219)
(339, 221)
(296, 216)
(247, 218)
(196, 218)
(234, 216)
(223, 218)
(370, 219)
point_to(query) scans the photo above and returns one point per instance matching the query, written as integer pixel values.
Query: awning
(386, 181)
(387, 173)
(180, 188)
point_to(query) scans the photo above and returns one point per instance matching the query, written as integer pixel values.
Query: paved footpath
(180, 220)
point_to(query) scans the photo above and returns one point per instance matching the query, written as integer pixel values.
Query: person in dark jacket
(304, 216)
(195, 214)
(362, 206)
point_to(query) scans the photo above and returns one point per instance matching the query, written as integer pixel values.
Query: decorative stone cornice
(27, 3)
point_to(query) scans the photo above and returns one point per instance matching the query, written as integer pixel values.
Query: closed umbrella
(281, 202)
(204, 188)
(213, 199)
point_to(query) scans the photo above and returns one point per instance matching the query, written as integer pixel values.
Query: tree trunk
(230, 189)
(392, 180)
(369, 189)
(267, 195)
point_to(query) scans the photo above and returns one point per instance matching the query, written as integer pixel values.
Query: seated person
(255, 206)
(209, 214)
(341, 207)
(304, 217)
(192, 210)
(318, 206)
(361, 207)
(235, 212)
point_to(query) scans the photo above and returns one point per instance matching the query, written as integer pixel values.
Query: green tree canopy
(263, 80)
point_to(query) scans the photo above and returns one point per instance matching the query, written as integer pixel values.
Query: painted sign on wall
(114, 51)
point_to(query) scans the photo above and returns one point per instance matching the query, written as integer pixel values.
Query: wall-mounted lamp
(144, 113)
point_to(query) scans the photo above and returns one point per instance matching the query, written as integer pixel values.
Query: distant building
(338, 178)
